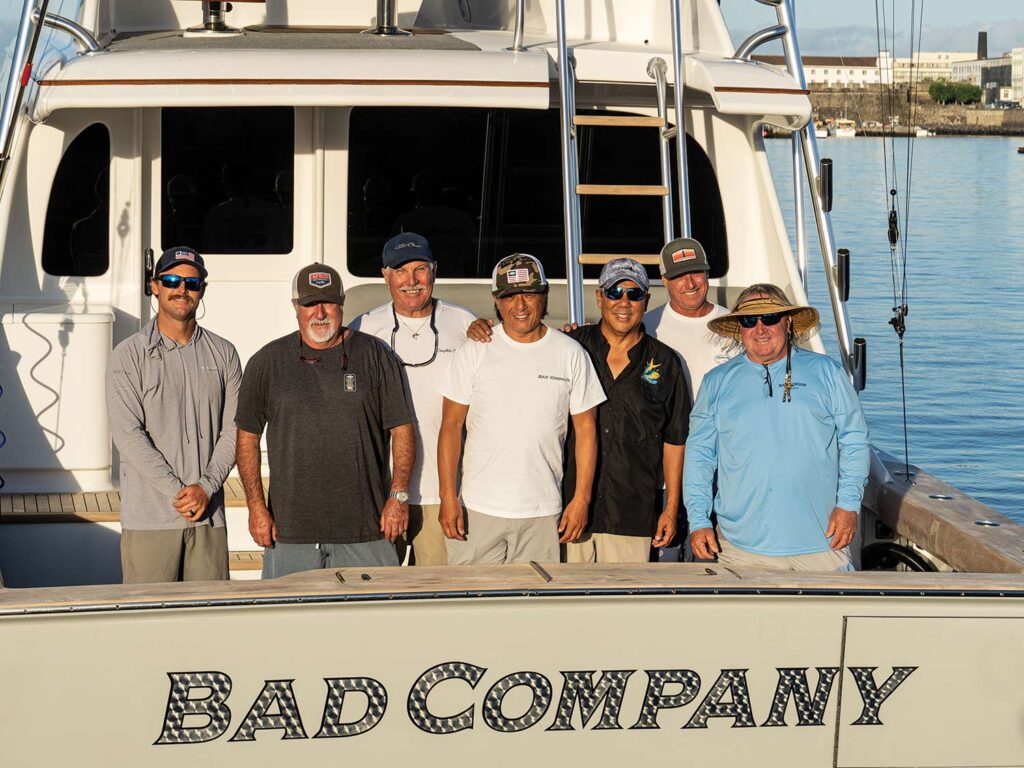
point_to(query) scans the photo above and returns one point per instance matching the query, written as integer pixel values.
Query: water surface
(964, 358)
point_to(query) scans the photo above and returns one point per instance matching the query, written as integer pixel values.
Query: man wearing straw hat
(785, 431)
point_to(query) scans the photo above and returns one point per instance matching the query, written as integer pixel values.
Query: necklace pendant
(416, 335)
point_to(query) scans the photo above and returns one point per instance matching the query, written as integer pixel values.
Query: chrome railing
(657, 69)
(570, 173)
(18, 79)
(80, 34)
(806, 144)
(678, 85)
(517, 40)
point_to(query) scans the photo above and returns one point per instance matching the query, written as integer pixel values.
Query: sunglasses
(193, 284)
(633, 294)
(750, 321)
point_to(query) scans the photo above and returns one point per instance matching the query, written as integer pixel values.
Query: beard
(322, 331)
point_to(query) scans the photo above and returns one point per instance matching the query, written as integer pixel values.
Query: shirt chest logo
(651, 373)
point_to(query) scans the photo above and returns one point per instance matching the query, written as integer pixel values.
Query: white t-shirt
(520, 397)
(700, 349)
(451, 322)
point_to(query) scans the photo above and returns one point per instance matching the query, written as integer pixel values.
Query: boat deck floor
(98, 507)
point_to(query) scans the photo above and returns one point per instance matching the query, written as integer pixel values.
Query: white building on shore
(842, 71)
(930, 65)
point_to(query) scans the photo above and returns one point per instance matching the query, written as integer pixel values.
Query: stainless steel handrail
(798, 211)
(18, 79)
(386, 23)
(657, 68)
(570, 173)
(80, 34)
(756, 40)
(823, 221)
(677, 91)
(517, 40)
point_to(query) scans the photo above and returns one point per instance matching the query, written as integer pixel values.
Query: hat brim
(513, 291)
(327, 298)
(805, 320)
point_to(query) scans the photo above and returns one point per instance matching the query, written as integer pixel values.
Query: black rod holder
(860, 363)
(843, 273)
(825, 184)
(147, 272)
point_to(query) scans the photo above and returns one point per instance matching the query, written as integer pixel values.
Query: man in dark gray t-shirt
(333, 401)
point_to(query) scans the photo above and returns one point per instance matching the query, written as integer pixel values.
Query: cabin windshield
(482, 183)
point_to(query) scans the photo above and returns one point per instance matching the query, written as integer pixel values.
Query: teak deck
(98, 507)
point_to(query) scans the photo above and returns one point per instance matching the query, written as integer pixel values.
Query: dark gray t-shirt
(327, 434)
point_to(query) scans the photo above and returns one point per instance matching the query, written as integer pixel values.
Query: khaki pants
(425, 535)
(829, 560)
(608, 548)
(498, 540)
(181, 554)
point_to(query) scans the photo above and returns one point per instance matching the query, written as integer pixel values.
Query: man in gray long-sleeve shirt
(172, 389)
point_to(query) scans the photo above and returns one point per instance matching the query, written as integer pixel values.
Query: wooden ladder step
(638, 121)
(625, 190)
(604, 258)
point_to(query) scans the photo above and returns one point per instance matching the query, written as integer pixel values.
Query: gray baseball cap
(682, 256)
(617, 270)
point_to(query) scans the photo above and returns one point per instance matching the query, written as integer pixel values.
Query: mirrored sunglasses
(633, 294)
(750, 321)
(193, 284)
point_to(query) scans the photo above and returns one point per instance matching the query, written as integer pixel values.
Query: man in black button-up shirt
(642, 426)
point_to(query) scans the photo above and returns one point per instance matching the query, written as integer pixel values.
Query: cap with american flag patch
(682, 256)
(518, 273)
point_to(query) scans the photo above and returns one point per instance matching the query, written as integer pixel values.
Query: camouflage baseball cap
(518, 273)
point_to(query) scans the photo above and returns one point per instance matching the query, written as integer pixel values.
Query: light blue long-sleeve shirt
(782, 467)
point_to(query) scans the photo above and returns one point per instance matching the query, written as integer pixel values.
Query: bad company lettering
(202, 698)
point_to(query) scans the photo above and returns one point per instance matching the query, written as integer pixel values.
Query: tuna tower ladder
(571, 187)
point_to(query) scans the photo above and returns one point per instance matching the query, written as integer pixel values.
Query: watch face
(400, 496)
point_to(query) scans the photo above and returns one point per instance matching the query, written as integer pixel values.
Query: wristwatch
(402, 497)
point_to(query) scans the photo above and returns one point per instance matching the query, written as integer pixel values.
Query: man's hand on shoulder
(191, 502)
(574, 520)
(570, 327)
(842, 525)
(703, 544)
(394, 519)
(480, 330)
(262, 527)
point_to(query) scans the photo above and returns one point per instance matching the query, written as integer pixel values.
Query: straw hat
(805, 319)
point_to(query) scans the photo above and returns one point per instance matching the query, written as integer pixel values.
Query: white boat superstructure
(279, 133)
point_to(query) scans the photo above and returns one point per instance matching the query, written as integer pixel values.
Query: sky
(847, 27)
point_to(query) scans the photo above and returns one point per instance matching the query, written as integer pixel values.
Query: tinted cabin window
(227, 179)
(481, 184)
(76, 239)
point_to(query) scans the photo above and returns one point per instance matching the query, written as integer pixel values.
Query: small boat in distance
(844, 128)
(920, 132)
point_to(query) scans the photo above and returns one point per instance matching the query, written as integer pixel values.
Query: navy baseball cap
(181, 254)
(408, 246)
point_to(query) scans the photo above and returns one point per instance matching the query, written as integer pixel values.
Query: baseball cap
(407, 246)
(518, 273)
(180, 254)
(617, 270)
(317, 283)
(682, 256)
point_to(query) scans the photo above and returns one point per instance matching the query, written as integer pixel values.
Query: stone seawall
(866, 104)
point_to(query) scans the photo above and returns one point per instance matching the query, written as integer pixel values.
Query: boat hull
(497, 666)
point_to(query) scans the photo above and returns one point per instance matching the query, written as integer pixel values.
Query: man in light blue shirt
(785, 431)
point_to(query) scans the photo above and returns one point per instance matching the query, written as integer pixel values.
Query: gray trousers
(283, 559)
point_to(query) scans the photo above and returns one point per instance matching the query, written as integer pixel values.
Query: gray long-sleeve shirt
(172, 411)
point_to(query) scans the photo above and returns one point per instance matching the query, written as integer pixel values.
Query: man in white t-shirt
(682, 323)
(514, 397)
(424, 333)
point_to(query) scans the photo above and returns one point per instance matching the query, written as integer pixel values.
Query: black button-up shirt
(648, 405)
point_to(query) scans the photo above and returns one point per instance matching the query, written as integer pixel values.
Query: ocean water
(964, 355)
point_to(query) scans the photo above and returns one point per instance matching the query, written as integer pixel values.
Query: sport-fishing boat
(271, 134)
